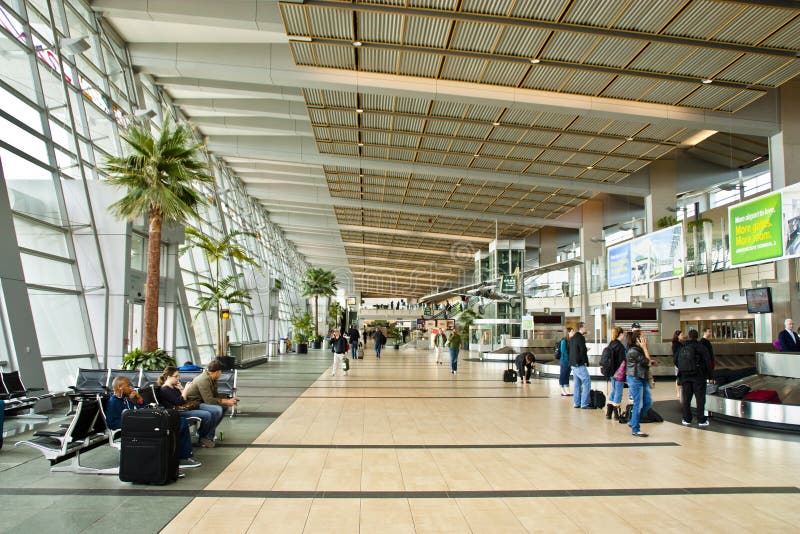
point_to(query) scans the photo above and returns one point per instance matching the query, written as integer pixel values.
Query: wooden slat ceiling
(707, 54)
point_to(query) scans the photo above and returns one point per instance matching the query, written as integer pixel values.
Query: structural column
(784, 160)
(592, 227)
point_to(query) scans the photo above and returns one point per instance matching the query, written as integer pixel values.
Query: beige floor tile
(489, 515)
(540, 515)
(386, 516)
(190, 516)
(228, 515)
(333, 516)
(380, 471)
(342, 471)
(302, 471)
(437, 515)
(281, 516)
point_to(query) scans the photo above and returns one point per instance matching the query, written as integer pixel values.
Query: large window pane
(16, 70)
(60, 374)
(39, 237)
(47, 272)
(59, 323)
(30, 188)
(23, 140)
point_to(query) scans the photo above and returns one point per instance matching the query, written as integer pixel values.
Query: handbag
(189, 405)
(619, 374)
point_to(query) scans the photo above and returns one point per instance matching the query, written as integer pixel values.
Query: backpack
(606, 362)
(686, 360)
(557, 350)
(597, 399)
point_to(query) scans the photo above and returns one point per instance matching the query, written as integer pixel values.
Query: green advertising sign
(527, 322)
(756, 230)
(509, 285)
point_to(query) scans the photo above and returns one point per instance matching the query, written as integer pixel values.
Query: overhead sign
(649, 258)
(509, 285)
(756, 230)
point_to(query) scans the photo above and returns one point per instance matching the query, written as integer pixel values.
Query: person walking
(579, 361)
(694, 368)
(439, 344)
(379, 340)
(339, 348)
(614, 406)
(638, 376)
(564, 370)
(454, 344)
(353, 338)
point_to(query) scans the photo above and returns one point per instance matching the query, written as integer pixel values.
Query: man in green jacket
(454, 344)
(204, 389)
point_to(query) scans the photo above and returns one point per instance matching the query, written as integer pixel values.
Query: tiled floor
(402, 445)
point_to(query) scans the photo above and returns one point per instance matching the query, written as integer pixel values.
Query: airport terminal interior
(452, 184)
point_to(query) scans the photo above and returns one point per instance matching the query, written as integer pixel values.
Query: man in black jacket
(353, 336)
(694, 368)
(579, 360)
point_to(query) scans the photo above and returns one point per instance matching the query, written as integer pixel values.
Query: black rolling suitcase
(149, 448)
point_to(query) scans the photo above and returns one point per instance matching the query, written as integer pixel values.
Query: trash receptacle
(283, 345)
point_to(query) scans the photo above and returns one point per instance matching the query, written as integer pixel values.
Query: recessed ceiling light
(359, 110)
(476, 155)
(629, 138)
(590, 167)
(360, 144)
(495, 124)
(535, 61)
(708, 80)
(357, 43)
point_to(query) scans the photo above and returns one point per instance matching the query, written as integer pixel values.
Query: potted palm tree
(318, 283)
(159, 174)
(302, 329)
(465, 320)
(225, 290)
(395, 334)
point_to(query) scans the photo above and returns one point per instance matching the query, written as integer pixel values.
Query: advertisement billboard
(756, 230)
(649, 258)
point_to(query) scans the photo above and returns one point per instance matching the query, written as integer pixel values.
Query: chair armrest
(51, 433)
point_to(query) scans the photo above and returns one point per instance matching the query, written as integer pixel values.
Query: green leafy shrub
(156, 360)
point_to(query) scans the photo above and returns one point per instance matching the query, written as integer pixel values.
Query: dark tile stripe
(150, 492)
(449, 446)
(419, 397)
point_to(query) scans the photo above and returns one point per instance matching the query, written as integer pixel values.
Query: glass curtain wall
(61, 114)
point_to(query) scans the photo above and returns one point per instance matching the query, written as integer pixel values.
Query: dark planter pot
(397, 346)
(316, 344)
(302, 348)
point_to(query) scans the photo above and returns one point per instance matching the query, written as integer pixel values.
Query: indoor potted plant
(396, 335)
(302, 330)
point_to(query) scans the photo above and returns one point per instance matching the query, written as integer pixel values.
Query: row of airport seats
(90, 382)
(18, 398)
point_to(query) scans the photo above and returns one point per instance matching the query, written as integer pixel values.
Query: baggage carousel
(777, 371)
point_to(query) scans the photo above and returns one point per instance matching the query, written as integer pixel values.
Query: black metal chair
(226, 386)
(79, 436)
(150, 378)
(89, 383)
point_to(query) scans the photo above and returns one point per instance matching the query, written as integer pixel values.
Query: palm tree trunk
(150, 321)
(316, 316)
(219, 312)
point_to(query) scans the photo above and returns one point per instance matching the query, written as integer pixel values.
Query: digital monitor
(759, 300)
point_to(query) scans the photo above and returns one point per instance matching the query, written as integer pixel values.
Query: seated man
(127, 398)
(189, 366)
(204, 389)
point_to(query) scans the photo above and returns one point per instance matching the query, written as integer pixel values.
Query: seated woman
(170, 395)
